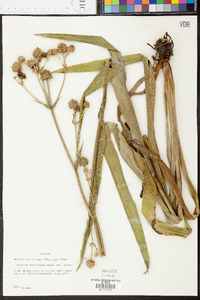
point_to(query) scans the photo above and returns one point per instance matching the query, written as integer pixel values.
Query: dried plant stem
(71, 161)
(91, 214)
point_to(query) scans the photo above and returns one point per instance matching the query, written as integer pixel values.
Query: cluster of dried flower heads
(37, 64)
(38, 56)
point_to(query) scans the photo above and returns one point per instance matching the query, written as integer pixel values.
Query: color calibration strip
(148, 6)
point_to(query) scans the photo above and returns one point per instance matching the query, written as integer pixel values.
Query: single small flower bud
(31, 63)
(16, 67)
(83, 161)
(52, 52)
(90, 263)
(96, 254)
(71, 48)
(86, 104)
(73, 104)
(46, 74)
(62, 47)
(21, 59)
(38, 53)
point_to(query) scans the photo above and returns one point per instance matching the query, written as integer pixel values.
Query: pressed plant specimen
(38, 65)
(160, 184)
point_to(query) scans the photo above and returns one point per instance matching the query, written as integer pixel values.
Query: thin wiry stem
(61, 88)
(31, 94)
(73, 165)
(40, 83)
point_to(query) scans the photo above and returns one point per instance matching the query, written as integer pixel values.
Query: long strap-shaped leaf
(102, 78)
(97, 65)
(125, 196)
(118, 81)
(94, 40)
(149, 194)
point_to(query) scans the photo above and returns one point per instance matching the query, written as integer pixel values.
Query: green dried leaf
(85, 240)
(125, 150)
(94, 40)
(97, 65)
(125, 196)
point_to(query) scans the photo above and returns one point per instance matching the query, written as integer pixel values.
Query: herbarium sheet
(68, 131)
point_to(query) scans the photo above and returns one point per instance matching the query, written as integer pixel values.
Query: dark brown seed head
(21, 75)
(164, 47)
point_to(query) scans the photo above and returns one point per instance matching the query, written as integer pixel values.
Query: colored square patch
(115, 2)
(129, 2)
(182, 7)
(108, 9)
(160, 1)
(107, 2)
(145, 1)
(138, 8)
(160, 7)
(167, 1)
(152, 1)
(138, 1)
(123, 8)
(190, 7)
(122, 2)
(152, 8)
(182, 1)
(130, 8)
(115, 8)
(175, 7)
(145, 7)
(167, 7)
(175, 1)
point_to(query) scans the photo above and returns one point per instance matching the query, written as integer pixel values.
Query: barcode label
(108, 285)
(105, 286)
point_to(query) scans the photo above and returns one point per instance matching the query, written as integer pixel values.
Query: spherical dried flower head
(86, 104)
(73, 104)
(16, 67)
(31, 63)
(90, 263)
(71, 48)
(83, 161)
(52, 52)
(46, 74)
(38, 53)
(21, 59)
(62, 48)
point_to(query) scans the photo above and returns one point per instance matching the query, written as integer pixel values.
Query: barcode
(105, 286)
